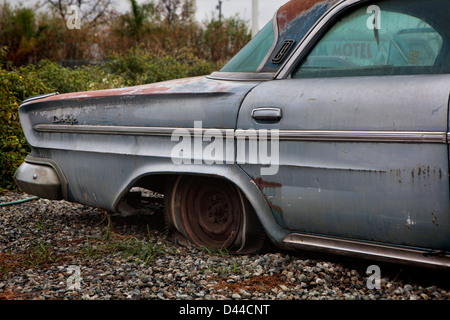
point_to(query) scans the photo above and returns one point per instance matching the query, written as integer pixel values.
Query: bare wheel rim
(211, 212)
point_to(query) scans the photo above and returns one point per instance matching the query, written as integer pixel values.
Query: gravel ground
(56, 250)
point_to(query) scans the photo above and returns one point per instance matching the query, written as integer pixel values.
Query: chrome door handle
(267, 114)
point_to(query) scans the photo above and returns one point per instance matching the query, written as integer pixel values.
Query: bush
(15, 86)
(139, 67)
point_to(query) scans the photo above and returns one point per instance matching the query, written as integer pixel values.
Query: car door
(362, 126)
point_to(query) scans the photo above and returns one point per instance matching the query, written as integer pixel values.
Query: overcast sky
(243, 8)
(206, 8)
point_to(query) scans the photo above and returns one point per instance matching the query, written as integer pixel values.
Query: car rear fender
(232, 173)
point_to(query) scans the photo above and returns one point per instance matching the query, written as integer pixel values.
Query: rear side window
(251, 56)
(383, 38)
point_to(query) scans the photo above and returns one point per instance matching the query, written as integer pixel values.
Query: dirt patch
(260, 283)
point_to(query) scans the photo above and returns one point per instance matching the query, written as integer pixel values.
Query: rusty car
(341, 111)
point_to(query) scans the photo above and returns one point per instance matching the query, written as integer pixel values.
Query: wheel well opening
(155, 194)
(145, 196)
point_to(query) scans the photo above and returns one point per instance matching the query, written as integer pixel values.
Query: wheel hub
(213, 213)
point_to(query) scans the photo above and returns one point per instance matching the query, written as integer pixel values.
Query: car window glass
(251, 56)
(376, 41)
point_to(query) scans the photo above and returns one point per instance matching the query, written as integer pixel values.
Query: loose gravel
(56, 250)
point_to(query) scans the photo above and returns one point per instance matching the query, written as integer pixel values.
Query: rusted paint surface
(294, 20)
(272, 206)
(187, 85)
(267, 184)
(293, 9)
(434, 220)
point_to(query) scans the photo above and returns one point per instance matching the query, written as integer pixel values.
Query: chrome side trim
(364, 136)
(367, 250)
(122, 130)
(284, 135)
(38, 97)
(242, 76)
(274, 43)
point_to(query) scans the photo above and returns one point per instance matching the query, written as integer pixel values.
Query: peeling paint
(410, 222)
(187, 85)
(294, 9)
(266, 184)
(274, 207)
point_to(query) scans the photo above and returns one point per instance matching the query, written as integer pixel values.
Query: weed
(130, 247)
(41, 254)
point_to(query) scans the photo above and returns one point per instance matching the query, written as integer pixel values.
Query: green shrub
(15, 86)
(140, 67)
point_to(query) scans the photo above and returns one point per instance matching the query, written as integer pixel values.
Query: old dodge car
(328, 131)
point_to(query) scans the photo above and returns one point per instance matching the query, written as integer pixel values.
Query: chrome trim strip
(364, 136)
(366, 250)
(121, 130)
(38, 97)
(284, 135)
(274, 43)
(242, 76)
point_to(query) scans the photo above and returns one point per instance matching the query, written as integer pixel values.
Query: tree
(169, 8)
(134, 22)
(223, 39)
(188, 11)
(18, 33)
(177, 10)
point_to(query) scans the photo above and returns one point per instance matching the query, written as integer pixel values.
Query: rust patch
(267, 184)
(185, 85)
(434, 220)
(161, 87)
(291, 10)
(272, 206)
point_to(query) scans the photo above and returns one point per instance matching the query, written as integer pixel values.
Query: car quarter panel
(86, 133)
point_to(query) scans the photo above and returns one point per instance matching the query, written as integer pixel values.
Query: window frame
(318, 31)
(232, 62)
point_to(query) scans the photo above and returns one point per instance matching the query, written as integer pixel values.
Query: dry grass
(257, 283)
